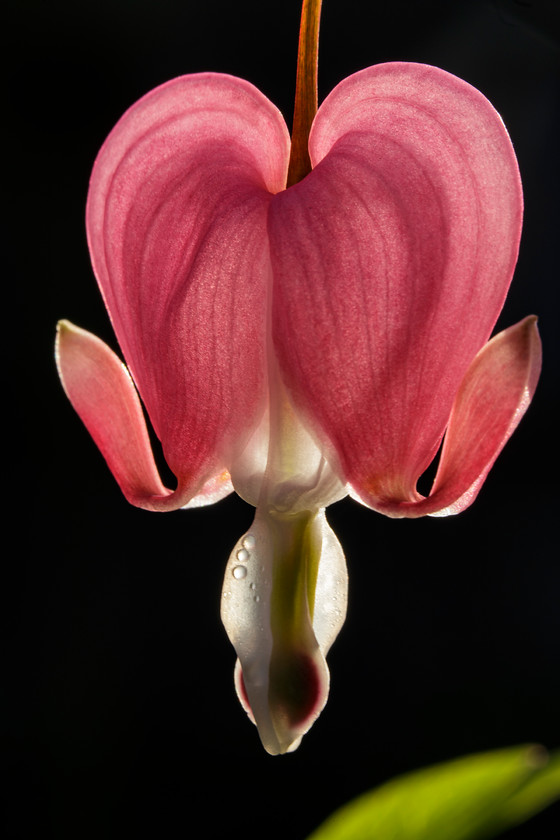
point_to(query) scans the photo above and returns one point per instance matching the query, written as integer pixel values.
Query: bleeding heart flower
(300, 344)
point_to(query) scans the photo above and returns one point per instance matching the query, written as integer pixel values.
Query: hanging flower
(299, 344)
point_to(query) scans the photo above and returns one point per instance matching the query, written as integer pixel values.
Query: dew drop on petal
(249, 542)
(242, 555)
(239, 572)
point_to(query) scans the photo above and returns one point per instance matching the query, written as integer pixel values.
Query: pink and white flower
(298, 345)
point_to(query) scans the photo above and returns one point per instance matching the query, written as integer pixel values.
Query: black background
(118, 711)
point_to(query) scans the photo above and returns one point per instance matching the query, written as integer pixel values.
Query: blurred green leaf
(473, 797)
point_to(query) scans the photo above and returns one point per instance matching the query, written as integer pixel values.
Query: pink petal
(101, 391)
(494, 396)
(391, 261)
(176, 223)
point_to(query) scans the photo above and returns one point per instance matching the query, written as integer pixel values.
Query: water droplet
(253, 586)
(239, 572)
(249, 542)
(256, 599)
(242, 555)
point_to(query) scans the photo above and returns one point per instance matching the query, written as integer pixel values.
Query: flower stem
(305, 106)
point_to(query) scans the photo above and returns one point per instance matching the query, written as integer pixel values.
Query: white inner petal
(282, 467)
(283, 603)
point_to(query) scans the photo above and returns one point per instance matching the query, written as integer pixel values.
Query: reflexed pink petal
(101, 391)
(493, 397)
(176, 222)
(391, 263)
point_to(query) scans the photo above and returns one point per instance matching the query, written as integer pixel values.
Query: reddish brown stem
(305, 106)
